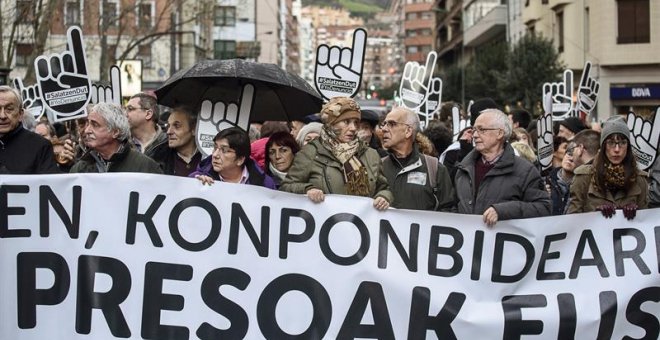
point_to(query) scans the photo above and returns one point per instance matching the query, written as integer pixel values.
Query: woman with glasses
(612, 181)
(230, 162)
(338, 162)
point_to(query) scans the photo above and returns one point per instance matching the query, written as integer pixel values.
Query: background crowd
(489, 168)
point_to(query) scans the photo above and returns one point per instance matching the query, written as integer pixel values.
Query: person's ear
(240, 161)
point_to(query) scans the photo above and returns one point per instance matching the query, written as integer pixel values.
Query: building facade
(420, 29)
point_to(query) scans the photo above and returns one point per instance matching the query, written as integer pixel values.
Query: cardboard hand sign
(644, 137)
(588, 90)
(108, 94)
(32, 102)
(545, 136)
(63, 81)
(562, 96)
(217, 116)
(338, 71)
(416, 82)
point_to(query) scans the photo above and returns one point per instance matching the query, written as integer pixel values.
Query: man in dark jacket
(21, 151)
(143, 114)
(417, 181)
(179, 156)
(106, 137)
(492, 181)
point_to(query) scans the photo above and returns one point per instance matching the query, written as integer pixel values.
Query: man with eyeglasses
(142, 113)
(417, 181)
(491, 181)
(21, 151)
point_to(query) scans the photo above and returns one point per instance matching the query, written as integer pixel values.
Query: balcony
(419, 23)
(419, 40)
(419, 7)
(488, 27)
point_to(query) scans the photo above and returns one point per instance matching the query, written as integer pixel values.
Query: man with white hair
(492, 181)
(106, 137)
(417, 181)
(21, 151)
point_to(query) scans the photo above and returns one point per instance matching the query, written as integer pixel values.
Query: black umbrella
(279, 95)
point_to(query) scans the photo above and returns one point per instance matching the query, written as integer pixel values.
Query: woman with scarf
(612, 181)
(338, 162)
(281, 148)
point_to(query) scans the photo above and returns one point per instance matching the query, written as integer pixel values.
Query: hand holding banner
(108, 94)
(63, 80)
(217, 116)
(338, 71)
(644, 137)
(32, 102)
(588, 90)
(416, 82)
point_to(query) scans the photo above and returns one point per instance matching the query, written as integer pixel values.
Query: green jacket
(126, 160)
(585, 196)
(316, 167)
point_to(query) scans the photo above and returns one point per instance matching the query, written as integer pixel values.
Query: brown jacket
(586, 197)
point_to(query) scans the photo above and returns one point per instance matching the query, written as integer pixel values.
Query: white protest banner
(63, 82)
(562, 96)
(644, 136)
(32, 102)
(169, 258)
(215, 116)
(338, 70)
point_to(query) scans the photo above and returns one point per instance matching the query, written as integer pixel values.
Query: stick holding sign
(217, 116)
(32, 102)
(416, 82)
(63, 80)
(108, 94)
(644, 137)
(338, 71)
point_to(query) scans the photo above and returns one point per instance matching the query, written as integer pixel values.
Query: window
(560, 32)
(23, 52)
(72, 12)
(109, 10)
(634, 21)
(412, 49)
(225, 16)
(24, 11)
(224, 49)
(144, 53)
(145, 16)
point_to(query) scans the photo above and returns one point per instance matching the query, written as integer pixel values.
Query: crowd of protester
(489, 168)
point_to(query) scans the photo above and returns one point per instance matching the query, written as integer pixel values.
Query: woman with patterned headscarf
(338, 162)
(612, 181)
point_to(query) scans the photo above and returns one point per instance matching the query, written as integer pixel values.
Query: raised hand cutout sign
(63, 81)
(338, 71)
(108, 94)
(416, 82)
(561, 94)
(644, 137)
(588, 90)
(544, 130)
(32, 102)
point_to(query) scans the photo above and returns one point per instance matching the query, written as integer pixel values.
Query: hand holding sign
(32, 102)
(544, 129)
(416, 82)
(562, 96)
(62, 78)
(588, 91)
(338, 70)
(108, 94)
(217, 116)
(644, 137)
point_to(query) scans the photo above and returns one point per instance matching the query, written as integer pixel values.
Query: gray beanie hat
(614, 125)
(311, 127)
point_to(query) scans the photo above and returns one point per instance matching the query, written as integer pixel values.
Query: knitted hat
(311, 127)
(574, 124)
(613, 125)
(371, 117)
(338, 109)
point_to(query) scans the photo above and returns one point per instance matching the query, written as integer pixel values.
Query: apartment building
(165, 35)
(449, 30)
(420, 29)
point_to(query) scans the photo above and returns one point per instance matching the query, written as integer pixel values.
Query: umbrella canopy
(279, 95)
